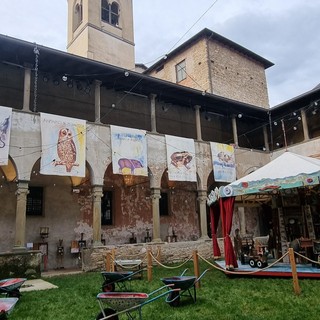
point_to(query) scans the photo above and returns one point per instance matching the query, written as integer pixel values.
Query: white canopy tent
(289, 170)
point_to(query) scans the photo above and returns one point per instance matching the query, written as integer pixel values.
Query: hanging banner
(5, 128)
(223, 162)
(129, 151)
(63, 146)
(181, 159)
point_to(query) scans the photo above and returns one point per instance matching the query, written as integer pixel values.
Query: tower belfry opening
(102, 30)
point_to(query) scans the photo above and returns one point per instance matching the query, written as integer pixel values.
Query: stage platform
(278, 270)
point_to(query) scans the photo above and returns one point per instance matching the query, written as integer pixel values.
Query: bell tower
(102, 30)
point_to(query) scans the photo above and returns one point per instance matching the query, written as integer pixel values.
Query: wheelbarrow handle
(201, 275)
(183, 273)
(167, 286)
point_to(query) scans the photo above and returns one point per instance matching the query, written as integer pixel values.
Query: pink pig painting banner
(181, 159)
(223, 161)
(129, 151)
(63, 142)
(5, 128)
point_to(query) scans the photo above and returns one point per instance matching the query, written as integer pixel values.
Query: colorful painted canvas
(63, 143)
(181, 159)
(129, 151)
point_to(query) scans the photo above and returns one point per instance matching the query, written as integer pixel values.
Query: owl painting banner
(63, 146)
(223, 162)
(129, 151)
(181, 159)
(5, 129)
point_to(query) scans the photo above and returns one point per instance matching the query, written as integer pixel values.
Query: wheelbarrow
(186, 286)
(6, 306)
(127, 302)
(11, 286)
(117, 277)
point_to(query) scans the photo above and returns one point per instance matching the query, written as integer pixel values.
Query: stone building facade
(36, 79)
(212, 63)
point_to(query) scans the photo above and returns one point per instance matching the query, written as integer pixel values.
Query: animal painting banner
(129, 151)
(5, 129)
(223, 161)
(63, 142)
(181, 159)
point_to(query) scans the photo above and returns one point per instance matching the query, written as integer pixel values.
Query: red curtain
(226, 213)
(214, 218)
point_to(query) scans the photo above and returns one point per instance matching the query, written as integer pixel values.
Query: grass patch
(219, 298)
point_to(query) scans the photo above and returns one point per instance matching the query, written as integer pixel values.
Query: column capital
(97, 191)
(22, 187)
(155, 193)
(152, 96)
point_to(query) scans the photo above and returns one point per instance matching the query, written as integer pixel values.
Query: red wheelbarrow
(186, 286)
(6, 306)
(127, 302)
(11, 286)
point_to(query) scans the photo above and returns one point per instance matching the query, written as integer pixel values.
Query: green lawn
(219, 298)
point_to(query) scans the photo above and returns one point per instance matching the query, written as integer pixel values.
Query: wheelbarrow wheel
(252, 263)
(108, 287)
(14, 293)
(174, 299)
(107, 312)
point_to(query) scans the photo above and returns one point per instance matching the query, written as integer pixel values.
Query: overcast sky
(286, 32)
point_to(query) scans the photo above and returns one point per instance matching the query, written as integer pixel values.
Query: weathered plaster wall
(69, 214)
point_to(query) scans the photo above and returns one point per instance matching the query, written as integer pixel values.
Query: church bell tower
(102, 30)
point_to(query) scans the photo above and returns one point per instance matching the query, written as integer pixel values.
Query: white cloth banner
(181, 159)
(223, 162)
(5, 129)
(63, 146)
(129, 151)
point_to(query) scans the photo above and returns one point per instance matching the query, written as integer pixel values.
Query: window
(106, 208)
(110, 12)
(35, 201)
(181, 71)
(77, 15)
(164, 204)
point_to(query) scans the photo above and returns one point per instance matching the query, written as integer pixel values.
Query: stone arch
(8, 172)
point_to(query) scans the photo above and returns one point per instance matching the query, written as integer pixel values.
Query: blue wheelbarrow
(119, 278)
(186, 286)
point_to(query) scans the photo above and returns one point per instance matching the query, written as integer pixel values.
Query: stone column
(305, 125)
(155, 196)
(202, 199)
(97, 101)
(235, 130)
(198, 122)
(96, 220)
(152, 98)
(20, 235)
(26, 88)
(265, 137)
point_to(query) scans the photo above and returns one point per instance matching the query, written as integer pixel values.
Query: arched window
(77, 14)
(110, 12)
(114, 14)
(105, 12)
